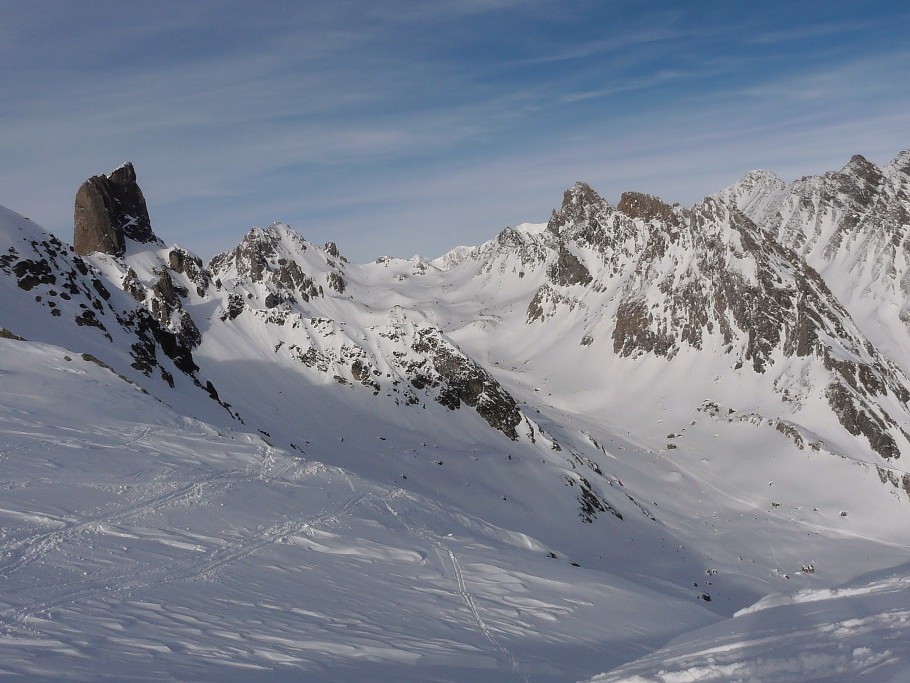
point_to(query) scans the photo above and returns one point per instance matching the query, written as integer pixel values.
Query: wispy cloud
(813, 31)
(588, 49)
(400, 127)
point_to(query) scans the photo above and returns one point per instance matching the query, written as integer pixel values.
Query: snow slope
(139, 544)
(854, 632)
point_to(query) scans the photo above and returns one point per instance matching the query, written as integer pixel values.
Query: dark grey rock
(336, 282)
(646, 207)
(132, 285)
(109, 209)
(568, 269)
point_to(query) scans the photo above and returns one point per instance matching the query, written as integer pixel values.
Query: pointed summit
(862, 169)
(110, 208)
(762, 180)
(578, 203)
(902, 162)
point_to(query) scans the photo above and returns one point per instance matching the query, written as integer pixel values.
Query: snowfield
(858, 632)
(141, 545)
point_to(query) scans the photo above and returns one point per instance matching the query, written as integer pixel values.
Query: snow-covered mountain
(282, 464)
(851, 226)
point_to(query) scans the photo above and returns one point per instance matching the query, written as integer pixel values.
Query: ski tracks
(481, 624)
(178, 571)
(26, 552)
(30, 550)
(245, 547)
(33, 549)
(448, 559)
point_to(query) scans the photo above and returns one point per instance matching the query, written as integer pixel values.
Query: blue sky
(412, 127)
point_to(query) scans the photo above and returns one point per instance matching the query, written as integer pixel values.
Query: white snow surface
(138, 544)
(858, 632)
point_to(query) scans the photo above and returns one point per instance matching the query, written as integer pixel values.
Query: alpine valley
(639, 442)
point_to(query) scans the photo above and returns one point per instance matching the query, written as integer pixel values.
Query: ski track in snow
(449, 561)
(28, 551)
(24, 552)
(472, 607)
(178, 571)
(235, 552)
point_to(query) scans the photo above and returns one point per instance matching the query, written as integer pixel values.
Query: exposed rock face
(93, 229)
(182, 261)
(267, 257)
(851, 226)
(646, 207)
(332, 250)
(578, 204)
(463, 380)
(110, 208)
(132, 285)
(568, 270)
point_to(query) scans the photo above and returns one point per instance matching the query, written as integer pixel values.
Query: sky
(405, 127)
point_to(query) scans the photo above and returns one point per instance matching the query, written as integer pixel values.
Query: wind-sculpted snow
(852, 633)
(139, 544)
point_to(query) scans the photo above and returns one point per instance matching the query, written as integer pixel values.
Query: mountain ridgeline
(767, 279)
(645, 409)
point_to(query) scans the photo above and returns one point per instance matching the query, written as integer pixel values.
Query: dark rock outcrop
(332, 250)
(109, 209)
(460, 379)
(182, 261)
(646, 207)
(568, 270)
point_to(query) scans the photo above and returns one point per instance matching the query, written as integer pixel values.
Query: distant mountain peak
(579, 202)
(902, 162)
(761, 178)
(646, 206)
(858, 175)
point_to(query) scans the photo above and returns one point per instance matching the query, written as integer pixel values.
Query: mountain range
(594, 447)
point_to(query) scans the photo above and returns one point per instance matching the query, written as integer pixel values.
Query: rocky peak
(646, 207)
(863, 170)
(579, 204)
(270, 257)
(109, 209)
(760, 180)
(253, 255)
(332, 250)
(901, 162)
(857, 163)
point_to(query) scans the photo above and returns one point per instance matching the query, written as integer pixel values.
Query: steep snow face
(851, 225)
